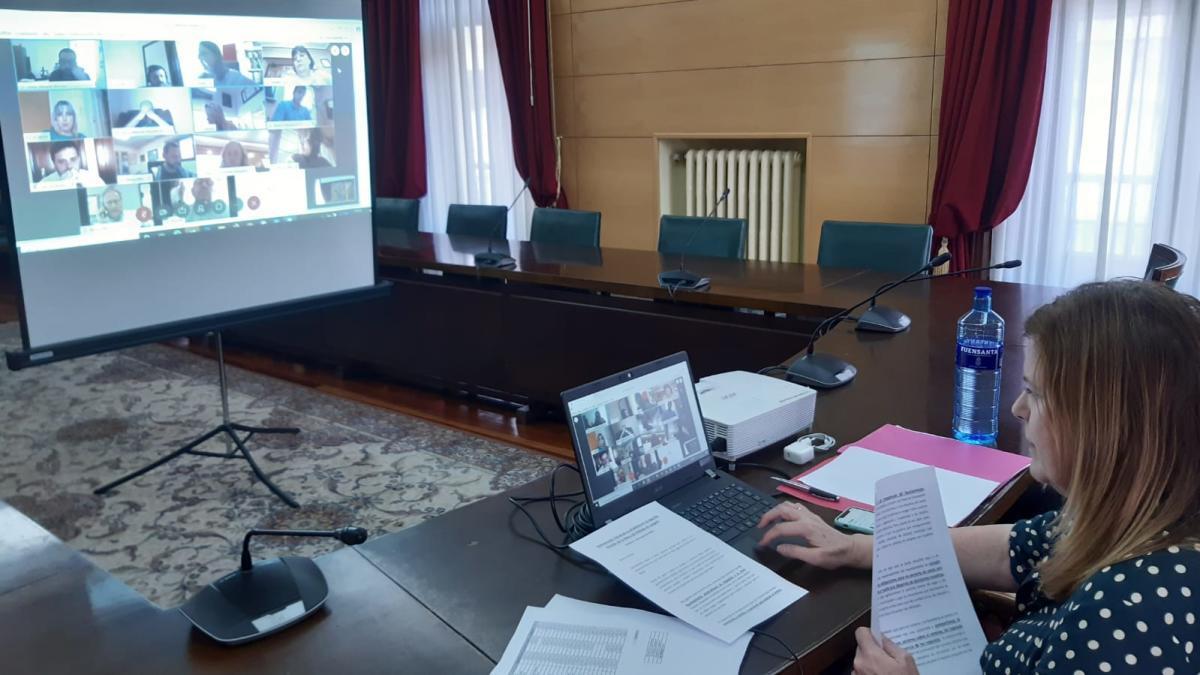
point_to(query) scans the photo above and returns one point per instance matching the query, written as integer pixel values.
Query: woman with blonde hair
(1111, 410)
(233, 155)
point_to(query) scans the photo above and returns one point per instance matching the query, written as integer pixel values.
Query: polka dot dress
(1138, 616)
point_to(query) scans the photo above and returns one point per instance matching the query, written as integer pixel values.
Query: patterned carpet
(69, 427)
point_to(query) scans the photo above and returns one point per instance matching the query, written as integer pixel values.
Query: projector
(753, 411)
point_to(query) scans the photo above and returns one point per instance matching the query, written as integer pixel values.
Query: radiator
(764, 190)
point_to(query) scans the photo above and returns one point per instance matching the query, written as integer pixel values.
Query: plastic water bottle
(977, 380)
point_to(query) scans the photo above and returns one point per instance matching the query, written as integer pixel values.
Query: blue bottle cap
(983, 292)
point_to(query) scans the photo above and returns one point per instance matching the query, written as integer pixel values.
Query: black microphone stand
(880, 319)
(256, 600)
(826, 371)
(496, 259)
(674, 280)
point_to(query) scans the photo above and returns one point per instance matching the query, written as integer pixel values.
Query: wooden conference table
(565, 315)
(446, 595)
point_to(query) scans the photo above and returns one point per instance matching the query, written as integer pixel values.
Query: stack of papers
(853, 473)
(569, 637)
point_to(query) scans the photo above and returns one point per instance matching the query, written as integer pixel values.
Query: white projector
(753, 411)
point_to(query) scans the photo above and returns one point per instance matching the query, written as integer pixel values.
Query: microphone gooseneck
(683, 251)
(347, 535)
(831, 322)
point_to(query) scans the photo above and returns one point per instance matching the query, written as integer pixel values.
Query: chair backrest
(883, 247)
(397, 214)
(713, 237)
(477, 221)
(564, 226)
(1165, 265)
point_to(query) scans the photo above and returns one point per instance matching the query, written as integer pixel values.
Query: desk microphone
(826, 371)
(496, 259)
(887, 320)
(259, 599)
(681, 278)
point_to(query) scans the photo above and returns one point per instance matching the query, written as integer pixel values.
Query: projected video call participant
(216, 116)
(64, 125)
(214, 66)
(67, 157)
(112, 207)
(293, 110)
(147, 116)
(156, 76)
(233, 155)
(204, 206)
(67, 69)
(310, 151)
(172, 167)
(304, 67)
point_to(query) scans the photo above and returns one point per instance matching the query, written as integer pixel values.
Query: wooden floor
(473, 417)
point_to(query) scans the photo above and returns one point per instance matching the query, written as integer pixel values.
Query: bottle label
(985, 356)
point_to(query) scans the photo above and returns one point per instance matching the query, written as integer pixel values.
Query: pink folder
(944, 453)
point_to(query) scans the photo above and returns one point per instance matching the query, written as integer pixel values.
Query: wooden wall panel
(570, 171)
(876, 98)
(933, 154)
(939, 66)
(862, 78)
(865, 178)
(939, 33)
(564, 105)
(560, 34)
(617, 176)
(595, 5)
(723, 34)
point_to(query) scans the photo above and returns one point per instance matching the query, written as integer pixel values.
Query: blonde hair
(1120, 377)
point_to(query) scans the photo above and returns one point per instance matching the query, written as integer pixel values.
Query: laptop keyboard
(729, 511)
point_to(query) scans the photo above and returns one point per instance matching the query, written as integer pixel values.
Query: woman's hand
(826, 547)
(886, 659)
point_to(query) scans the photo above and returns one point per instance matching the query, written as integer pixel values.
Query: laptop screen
(634, 432)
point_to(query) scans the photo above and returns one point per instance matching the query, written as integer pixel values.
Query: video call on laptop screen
(637, 432)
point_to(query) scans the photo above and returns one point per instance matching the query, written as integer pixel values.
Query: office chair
(477, 221)
(713, 237)
(564, 226)
(1165, 265)
(397, 214)
(883, 247)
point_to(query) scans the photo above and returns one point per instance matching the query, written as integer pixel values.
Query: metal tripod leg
(226, 427)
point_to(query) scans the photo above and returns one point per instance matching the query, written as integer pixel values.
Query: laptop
(639, 437)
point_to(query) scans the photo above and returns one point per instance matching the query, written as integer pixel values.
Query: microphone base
(683, 280)
(880, 319)
(496, 260)
(821, 371)
(241, 607)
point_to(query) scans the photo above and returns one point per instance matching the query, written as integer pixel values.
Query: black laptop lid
(638, 435)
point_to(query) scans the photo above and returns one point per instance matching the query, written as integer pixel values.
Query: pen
(819, 494)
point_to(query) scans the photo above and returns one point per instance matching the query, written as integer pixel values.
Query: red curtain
(991, 101)
(522, 35)
(393, 39)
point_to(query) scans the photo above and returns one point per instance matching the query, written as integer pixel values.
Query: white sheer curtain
(1117, 162)
(468, 136)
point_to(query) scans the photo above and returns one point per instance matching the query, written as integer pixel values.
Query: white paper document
(572, 637)
(854, 472)
(689, 572)
(918, 597)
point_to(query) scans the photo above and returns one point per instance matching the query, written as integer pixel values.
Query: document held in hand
(689, 572)
(918, 597)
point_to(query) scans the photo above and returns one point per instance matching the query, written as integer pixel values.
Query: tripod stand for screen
(229, 429)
